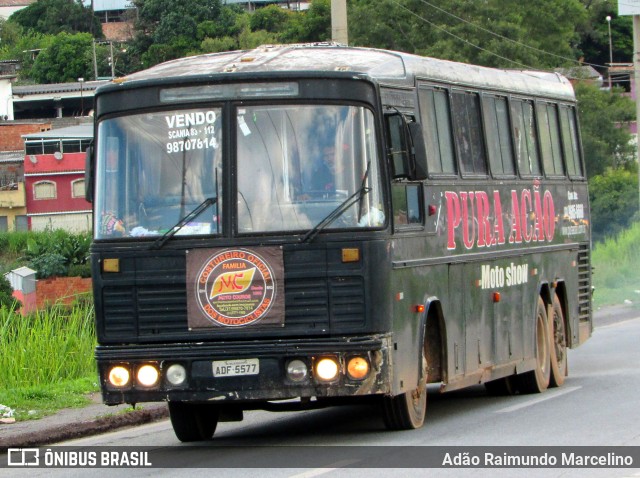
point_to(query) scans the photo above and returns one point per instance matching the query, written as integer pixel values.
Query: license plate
(234, 368)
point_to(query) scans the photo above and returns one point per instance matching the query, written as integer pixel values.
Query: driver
(323, 174)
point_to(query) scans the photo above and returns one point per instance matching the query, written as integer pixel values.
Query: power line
(497, 35)
(460, 38)
(457, 37)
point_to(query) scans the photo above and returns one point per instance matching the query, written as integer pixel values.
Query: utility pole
(636, 82)
(95, 62)
(339, 33)
(632, 7)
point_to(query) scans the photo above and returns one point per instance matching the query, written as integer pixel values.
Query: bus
(298, 226)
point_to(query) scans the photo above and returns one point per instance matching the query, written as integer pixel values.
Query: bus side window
(496, 121)
(436, 123)
(569, 128)
(407, 204)
(468, 133)
(525, 138)
(550, 139)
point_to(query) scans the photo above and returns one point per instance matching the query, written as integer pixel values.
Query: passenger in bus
(323, 177)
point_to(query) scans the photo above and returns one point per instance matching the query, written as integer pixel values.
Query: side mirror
(88, 174)
(406, 149)
(419, 156)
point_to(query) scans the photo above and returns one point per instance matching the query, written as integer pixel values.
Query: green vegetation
(50, 253)
(47, 359)
(614, 203)
(616, 263)
(6, 297)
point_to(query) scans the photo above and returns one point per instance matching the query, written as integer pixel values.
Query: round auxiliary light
(176, 374)
(148, 375)
(119, 376)
(357, 368)
(297, 370)
(327, 369)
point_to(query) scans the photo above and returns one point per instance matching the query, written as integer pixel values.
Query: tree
(51, 17)
(614, 202)
(604, 119)
(271, 18)
(156, 17)
(594, 34)
(228, 24)
(499, 33)
(68, 58)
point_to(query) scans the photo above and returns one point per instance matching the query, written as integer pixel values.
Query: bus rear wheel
(558, 345)
(407, 411)
(193, 421)
(537, 380)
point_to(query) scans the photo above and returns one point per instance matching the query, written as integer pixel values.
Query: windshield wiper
(180, 224)
(336, 213)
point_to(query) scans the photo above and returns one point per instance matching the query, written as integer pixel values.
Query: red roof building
(54, 179)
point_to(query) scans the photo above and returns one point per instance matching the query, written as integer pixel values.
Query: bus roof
(386, 67)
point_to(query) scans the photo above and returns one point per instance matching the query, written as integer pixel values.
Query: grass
(47, 359)
(616, 263)
(37, 401)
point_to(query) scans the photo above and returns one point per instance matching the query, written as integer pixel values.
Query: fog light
(176, 374)
(327, 369)
(297, 370)
(119, 376)
(357, 368)
(148, 375)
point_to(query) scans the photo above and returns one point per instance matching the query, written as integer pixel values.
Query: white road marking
(548, 395)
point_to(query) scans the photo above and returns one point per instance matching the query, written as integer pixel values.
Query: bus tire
(407, 411)
(193, 421)
(558, 345)
(537, 380)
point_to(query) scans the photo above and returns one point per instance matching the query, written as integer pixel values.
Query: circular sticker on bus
(235, 288)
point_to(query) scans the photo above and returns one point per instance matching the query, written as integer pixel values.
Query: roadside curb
(55, 434)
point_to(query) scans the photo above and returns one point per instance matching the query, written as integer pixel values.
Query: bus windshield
(295, 164)
(154, 169)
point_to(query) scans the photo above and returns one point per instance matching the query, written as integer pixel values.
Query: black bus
(303, 225)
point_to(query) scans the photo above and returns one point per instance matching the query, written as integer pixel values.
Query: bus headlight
(176, 374)
(119, 376)
(357, 368)
(297, 370)
(148, 375)
(327, 369)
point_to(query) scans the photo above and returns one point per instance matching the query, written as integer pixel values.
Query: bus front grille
(312, 305)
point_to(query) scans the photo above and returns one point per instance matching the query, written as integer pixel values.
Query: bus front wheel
(193, 421)
(537, 380)
(407, 411)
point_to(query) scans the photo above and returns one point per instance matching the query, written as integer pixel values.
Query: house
(116, 18)
(13, 211)
(54, 165)
(54, 100)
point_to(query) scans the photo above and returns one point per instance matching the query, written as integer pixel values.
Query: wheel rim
(559, 340)
(542, 344)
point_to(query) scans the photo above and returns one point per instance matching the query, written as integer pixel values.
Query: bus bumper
(252, 370)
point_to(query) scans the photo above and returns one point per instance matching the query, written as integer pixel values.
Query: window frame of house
(79, 184)
(42, 183)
